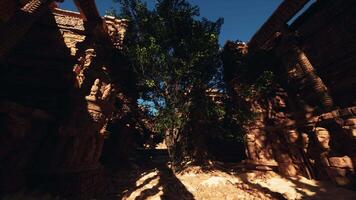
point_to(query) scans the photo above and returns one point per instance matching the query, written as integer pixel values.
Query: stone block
(341, 177)
(350, 122)
(287, 169)
(342, 181)
(338, 171)
(353, 110)
(335, 113)
(327, 116)
(345, 112)
(341, 162)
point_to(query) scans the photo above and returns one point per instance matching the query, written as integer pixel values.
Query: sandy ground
(194, 183)
(153, 179)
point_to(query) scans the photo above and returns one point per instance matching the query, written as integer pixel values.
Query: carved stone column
(315, 81)
(295, 59)
(72, 164)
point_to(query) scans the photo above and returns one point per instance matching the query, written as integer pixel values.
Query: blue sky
(242, 18)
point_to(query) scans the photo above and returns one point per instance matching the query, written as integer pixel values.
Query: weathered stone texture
(58, 98)
(328, 39)
(278, 19)
(314, 133)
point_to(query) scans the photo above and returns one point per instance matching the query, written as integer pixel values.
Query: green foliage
(175, 56)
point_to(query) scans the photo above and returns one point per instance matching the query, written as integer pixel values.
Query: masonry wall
(310, 122)
(57, 100)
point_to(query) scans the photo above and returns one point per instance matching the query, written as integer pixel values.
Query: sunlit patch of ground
(146, 184)
(296, 188)
(194, 183)
(218, 185)
(160, 182)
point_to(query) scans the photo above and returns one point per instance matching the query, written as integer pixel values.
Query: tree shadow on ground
(143, 179)
(228, 169)
(322, 190)
(152, 178)
(303, 187)
(258, 187)
(168, 187)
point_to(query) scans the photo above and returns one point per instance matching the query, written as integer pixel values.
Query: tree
(175, 55)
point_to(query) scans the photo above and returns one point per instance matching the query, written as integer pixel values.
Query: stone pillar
(298, 65)
(315, 81)
(71, 166)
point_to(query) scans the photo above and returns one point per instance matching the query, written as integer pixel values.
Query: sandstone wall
(308, 123)
(61, 79)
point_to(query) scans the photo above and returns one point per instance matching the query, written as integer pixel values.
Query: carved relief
(350, 128)
(100, 104)
(84, 62)
(71, 39)
(95, 92)
(292, 136)
(97, 116)
(107, 92)
(76, 134)
(305, 142)
(69, 22)
(33, 5)
(323, 138)
(116, 29)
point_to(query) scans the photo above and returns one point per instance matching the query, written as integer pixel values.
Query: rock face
(306, 126)
(60, 90)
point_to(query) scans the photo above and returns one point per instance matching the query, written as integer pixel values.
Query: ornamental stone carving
(95, 92)
(323, 138)
(350, 128)
(97, 116)
(71, 40)
(33, 5)
(292, 136)
(100, 103)
(84, 62)
(305, 142)
(107, 92)
(116, 29)
(69, 22)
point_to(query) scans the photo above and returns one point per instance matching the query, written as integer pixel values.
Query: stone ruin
(308, 126)
(63, 84)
